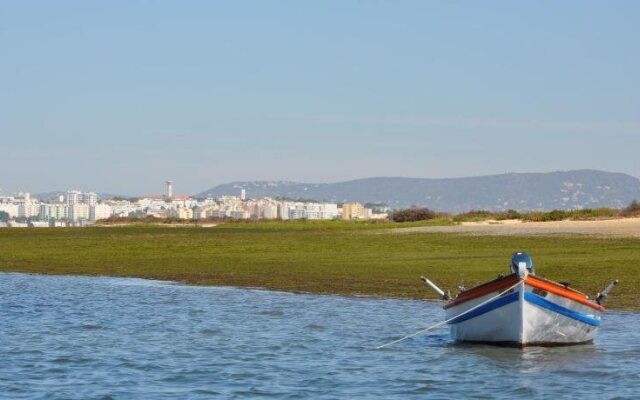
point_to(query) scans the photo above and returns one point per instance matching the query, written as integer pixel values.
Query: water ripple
(112, 338)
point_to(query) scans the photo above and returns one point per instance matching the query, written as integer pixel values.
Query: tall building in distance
(78, 197)
(90, 199)
(73, 197)
(243, 194)
(80, 207)
(169, 189)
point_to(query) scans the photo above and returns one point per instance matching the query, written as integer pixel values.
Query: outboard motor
(521, 257)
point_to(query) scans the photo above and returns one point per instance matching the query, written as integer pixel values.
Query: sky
(119, 96)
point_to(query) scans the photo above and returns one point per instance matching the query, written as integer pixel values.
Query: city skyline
(78, 209)
(130, 94)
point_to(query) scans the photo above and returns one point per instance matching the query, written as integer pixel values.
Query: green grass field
(323, 257)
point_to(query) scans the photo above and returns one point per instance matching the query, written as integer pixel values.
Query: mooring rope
(439, 324)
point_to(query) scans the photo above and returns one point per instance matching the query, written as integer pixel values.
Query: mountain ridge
(526, 191)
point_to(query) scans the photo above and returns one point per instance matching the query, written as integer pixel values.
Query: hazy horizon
(118, 97)
(160, 187)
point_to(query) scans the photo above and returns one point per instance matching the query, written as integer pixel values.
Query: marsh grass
(542, 216)
(576, 215)
(331, 225)
(320, 257)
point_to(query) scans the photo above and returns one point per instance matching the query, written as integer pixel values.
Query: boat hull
(524, 314)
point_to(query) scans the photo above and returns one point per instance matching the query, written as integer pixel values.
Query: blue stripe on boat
(544, 303)
(497, 303)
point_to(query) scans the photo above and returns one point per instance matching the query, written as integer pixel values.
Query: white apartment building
(229, 200)
(73, 197)
(154, 204)
(293, 210)
(314, 211)
(185, 213)
(213, 213)
(22, 205)
(355, 211)
(55, 211)
(181, 213)
(239, 214)
(28, 209)
(283, 210)
(99, 211)
(78, 197)
(9, 208)
(121, 208)
(183, 203)
(83, 206)
(268, 211)
(321, 210)
(78, 212)
(199, 213)
(90, 198)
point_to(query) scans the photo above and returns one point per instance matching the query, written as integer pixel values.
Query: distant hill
(519, 191)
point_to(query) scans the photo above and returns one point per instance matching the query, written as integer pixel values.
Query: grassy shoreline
(344, 258)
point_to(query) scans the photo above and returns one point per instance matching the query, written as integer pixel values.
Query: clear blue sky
(118, 96)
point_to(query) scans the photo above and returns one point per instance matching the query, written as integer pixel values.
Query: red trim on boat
(484, 289)
(561, 290)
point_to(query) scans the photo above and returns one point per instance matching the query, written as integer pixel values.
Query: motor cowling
(521, 257)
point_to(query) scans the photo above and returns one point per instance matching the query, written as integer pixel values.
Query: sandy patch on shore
(625, 227)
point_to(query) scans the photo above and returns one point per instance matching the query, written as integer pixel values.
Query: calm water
(80, 338)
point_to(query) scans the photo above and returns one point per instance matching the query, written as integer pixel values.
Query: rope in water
(439, 324)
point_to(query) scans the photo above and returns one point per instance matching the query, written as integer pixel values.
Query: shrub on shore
(509, 214)
(545, 216)
(632, 210)
(590, 213)
(413, 214)
(539, 216)
(483, 215)
(559, 215)
(475, 215)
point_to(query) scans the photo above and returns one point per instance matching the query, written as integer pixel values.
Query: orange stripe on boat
(561, 290)
(484, 289)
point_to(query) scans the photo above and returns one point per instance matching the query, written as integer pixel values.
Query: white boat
(523, 309)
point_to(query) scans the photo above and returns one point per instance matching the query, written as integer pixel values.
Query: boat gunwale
(531, 280)
(483, 289)
(561, 290)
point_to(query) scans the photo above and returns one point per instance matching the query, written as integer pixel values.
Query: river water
(112, 338)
